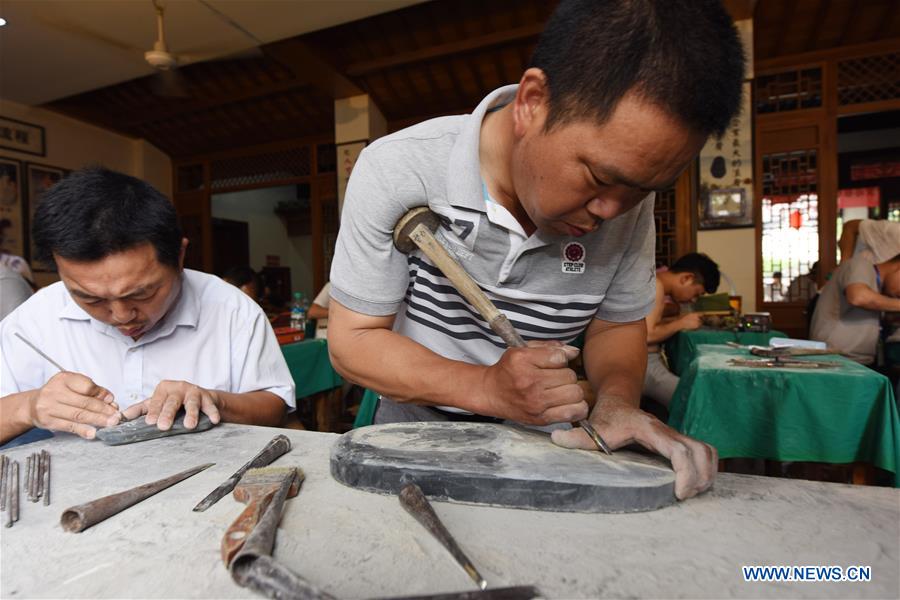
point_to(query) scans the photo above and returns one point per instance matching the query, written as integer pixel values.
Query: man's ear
(686, 279)
(184, 245)
(531, 102)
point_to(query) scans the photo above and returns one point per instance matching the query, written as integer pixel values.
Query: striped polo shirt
(549, 286)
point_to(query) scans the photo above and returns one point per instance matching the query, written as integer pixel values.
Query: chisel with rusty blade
(279, 445)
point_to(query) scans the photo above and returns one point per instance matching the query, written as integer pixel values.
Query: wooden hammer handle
(463, 282)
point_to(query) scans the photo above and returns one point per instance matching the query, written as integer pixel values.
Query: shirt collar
(184, 312)
(464, 169)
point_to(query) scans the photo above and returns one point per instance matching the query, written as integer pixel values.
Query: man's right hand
(534, 385)
(72, 402)
(691, 321)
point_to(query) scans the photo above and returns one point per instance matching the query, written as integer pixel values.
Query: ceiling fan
(168, 82)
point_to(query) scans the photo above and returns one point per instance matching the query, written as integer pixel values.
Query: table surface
(681, 348)
(836, 415)
(357, 544)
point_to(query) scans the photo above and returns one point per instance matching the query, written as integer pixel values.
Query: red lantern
(796, 219)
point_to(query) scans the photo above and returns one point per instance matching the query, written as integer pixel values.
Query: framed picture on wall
(726, 173)
(12, 212)
(38, 179)
(22, 137)
(347, 154)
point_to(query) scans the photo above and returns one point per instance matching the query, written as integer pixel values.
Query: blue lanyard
(877, 278)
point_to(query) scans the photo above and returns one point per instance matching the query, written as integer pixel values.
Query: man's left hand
(168, 397)
(619, 424)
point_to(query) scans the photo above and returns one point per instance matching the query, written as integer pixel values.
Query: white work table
(355, 544)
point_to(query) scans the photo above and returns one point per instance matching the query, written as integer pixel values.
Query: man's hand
(690, 321)
(168, 397)
(72, 402)
(534, 385)
(695, 463)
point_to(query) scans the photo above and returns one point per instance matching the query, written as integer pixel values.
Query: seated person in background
(776, 289)
(318, 310)
(688, 278)
(14, 290)
(319, 307)
(12, 261)
(137, 333)
(877, 238)
(848, 313)
(805, 287)
(245, 279)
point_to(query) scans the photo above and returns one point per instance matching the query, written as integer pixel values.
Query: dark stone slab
(137, 430)
(500, 465)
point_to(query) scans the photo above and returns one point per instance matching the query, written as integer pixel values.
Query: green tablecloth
(841, 415)
(681, 348)
(310, 367)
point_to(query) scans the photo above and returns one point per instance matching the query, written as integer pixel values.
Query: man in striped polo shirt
(545, 193)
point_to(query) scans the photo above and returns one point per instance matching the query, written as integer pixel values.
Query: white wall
(735, 251)
(268, 233)
(72, 144)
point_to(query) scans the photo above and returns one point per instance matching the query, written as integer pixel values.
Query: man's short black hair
(684, 56)
(95, 212)
(702, 267)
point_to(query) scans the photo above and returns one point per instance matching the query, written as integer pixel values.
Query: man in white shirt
(136, 333)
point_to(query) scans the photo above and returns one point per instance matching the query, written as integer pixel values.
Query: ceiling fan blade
(169, 84)
(88, 34)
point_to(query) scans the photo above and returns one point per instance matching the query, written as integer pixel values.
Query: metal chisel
(279, 445)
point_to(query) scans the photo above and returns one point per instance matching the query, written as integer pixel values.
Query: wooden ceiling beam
(891, 12)
(816, 26)
(306, 64)
(225, 99)
(441, 50)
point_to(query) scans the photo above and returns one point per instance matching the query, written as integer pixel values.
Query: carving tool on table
(248, 543)
(416, 230)
(277, 446)
(415, 503)
(78, 518)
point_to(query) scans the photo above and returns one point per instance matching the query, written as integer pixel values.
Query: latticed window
(790, 90)
(268, 167)
(664, 214)
(790, 225)
(869, 79)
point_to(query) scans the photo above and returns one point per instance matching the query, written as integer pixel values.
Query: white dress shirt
(213, 336)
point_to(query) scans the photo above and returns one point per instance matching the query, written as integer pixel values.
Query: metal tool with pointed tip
(415, 503)
(78, 518)
(277, 446)
(416, 230)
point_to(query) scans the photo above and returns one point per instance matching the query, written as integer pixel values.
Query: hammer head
(408, 222)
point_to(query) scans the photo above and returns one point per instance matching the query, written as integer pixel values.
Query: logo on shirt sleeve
(573, 258)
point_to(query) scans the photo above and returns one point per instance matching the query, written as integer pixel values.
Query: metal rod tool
(414, 501)
(78, 518)
(36, 349)
(277, 446)
(46, 477)
(415, 229)
(4, 468)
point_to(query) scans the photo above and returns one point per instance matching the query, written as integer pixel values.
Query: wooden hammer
(416, 229)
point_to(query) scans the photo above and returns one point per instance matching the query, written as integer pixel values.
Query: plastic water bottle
(298, 312)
